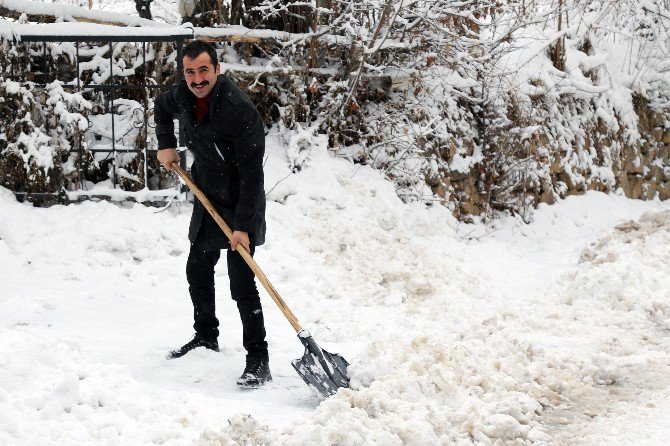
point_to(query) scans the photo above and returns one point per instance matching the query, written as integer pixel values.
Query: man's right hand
(167, 156)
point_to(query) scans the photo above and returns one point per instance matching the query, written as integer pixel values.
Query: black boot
(256, 373)
(196, 342)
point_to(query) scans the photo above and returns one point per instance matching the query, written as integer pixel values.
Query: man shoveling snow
(225, 133)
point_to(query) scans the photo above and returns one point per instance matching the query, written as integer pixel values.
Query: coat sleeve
(165, 109)
(249, 149)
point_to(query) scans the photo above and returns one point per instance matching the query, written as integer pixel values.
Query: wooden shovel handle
(243, 252)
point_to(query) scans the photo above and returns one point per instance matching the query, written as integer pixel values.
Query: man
(225, 132)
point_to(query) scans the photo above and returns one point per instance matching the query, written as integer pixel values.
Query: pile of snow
(457, 334)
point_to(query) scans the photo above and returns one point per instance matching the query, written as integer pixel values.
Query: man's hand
(241, 238)
(166, 157)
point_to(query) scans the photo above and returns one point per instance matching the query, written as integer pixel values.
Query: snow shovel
(323, 372)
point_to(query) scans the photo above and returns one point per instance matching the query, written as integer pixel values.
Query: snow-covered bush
(500, 108)
(38, 130)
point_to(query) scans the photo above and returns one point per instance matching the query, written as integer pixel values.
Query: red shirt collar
(201, 107)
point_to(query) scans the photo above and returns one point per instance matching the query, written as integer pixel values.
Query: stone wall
(640, 168)
(645, 167)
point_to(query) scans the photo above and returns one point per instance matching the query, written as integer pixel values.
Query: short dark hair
(197, 47)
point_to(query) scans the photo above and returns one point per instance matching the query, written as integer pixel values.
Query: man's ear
(218, 68)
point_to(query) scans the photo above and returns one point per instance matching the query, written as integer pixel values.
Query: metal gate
(113, 90)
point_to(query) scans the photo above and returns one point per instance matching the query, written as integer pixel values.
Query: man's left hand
(242, 238)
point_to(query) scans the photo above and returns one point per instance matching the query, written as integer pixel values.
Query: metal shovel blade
(323, 372)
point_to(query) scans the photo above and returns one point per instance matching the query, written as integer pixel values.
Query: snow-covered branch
(44, 12)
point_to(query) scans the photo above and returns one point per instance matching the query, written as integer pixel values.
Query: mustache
(202, 84)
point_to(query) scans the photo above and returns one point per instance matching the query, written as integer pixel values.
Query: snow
(554, 332)
(270, 68)
(9, 29)
(106, 189)
(68, 11)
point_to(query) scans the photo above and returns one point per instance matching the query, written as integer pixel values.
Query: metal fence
(112, 89)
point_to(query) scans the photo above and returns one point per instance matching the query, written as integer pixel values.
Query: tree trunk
(143, 8)
(559, 50)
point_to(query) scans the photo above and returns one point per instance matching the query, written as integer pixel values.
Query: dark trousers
(200, 276)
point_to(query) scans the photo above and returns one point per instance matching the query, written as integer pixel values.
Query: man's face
(200, 74)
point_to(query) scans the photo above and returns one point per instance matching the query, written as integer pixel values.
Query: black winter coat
(228, 145)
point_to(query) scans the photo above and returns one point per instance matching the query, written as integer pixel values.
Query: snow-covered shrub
(594, 121)
(505, 107)
(39, 131)
(26, 162)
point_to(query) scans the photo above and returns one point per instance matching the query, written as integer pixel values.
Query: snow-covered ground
(551, 333)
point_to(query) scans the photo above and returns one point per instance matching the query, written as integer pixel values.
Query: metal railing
(112, 88)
